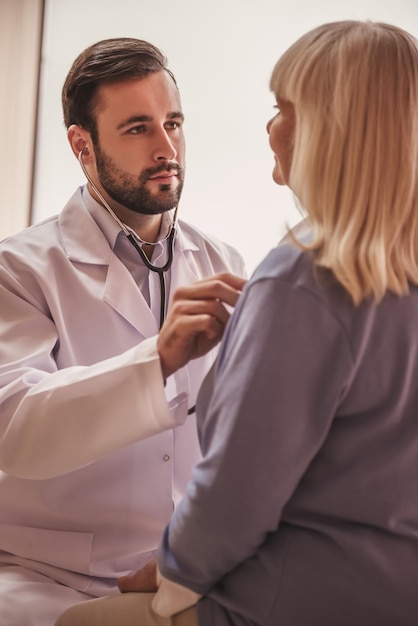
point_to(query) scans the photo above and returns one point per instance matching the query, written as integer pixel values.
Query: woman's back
(338, 450)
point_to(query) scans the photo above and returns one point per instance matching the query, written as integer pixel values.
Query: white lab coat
(91, 464)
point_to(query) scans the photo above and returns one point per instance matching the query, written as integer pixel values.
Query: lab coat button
(166, 457)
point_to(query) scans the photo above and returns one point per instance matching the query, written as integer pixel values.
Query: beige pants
(126, 609)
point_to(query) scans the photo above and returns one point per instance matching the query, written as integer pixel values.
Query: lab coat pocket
(57, 548)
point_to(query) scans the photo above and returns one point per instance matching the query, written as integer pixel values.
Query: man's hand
(144, 579)
(196, 320)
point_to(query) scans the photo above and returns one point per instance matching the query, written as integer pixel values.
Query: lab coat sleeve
(282, 370)
(54, 421)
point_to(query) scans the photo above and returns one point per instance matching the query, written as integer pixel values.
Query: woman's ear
(80, 141)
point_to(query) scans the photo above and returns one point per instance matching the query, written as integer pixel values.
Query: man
(96, 445)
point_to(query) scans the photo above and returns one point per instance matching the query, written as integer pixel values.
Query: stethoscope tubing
(153, 268)
(161, 271)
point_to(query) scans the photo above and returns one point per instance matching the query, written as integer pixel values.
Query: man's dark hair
(107, 61)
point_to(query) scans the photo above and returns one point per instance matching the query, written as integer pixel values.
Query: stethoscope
(153, 268)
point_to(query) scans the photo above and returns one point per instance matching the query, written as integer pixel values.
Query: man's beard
(131, 192)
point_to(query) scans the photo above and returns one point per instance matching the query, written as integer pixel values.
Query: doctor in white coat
(97, 433)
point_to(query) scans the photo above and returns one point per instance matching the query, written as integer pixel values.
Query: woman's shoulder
(286, 262)
(291, 268)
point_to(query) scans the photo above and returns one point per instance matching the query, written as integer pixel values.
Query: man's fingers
(196, 320)
(212, 308)
(234, 281)
(209, 326)
(144, 579)
(186, 328)
(188, 337)
(126, 583)
(224, 287)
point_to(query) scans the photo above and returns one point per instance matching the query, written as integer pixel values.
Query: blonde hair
(354, 86)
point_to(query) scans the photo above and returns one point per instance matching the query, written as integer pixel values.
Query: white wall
(20, 41)
(222, 53)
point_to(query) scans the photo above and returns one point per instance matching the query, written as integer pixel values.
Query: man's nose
(164, 147)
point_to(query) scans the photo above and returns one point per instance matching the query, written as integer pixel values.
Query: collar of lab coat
(84, 242)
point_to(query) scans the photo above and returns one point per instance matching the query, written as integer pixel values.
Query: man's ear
(80, 141)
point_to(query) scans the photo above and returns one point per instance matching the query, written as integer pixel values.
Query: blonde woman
(304, 509)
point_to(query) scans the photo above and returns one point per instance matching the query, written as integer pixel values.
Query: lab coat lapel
(185, 269)
(123, 295)
(131, 303)
(85, 243)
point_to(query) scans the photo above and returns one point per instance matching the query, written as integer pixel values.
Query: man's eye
(137, 130)
(173, 124)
